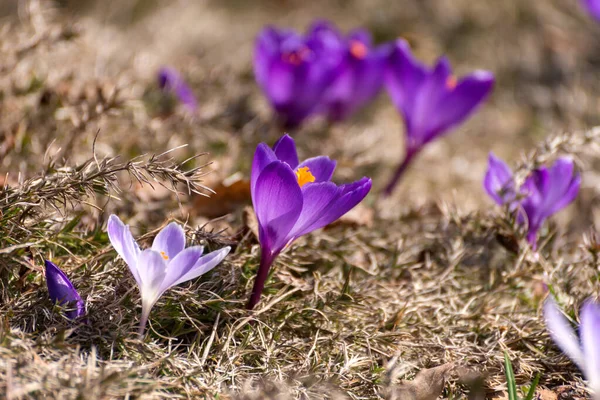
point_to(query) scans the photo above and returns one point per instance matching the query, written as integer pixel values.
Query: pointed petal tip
(62, 291)
(483, 76)
(562, 333)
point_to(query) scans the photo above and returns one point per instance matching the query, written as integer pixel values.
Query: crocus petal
(263, 156)
(361, 35)
(180, 265)
(204, 264)
(324, 36)
(169, 241)
(562, 333)
(358, 81)
(170, 79)
(277, 203)
(593, 7)
(285, 150)
(267, 49)
(62, 291)
(498, 181)
(320, 167)
(564, 186)
(281, 84)
(349, 196)
(153, 268)
(403, 76)
(589, 331)
(124, 244)
(427, 101)
(460, 102)
(318, 197)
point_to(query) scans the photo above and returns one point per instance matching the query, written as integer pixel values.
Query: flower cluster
(325, 72)
(320, 72)
(545, 192)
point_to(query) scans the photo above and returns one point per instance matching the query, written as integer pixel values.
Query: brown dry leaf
(427, 385)
(231, 193)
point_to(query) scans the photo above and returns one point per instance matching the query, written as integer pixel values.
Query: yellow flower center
(304, 176)
(164, 255)
(358, 49)
(451, 82)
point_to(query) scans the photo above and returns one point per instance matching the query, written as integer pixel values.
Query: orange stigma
(296, 57)
(358, 49)
(304, 176)
(164, 255)
(451, 82)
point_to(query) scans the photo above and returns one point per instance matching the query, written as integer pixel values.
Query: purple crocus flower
(359, 77)
(431, 100)
(584, 352)
(545, 191)
(592, 7)
(170, 80)
(294, 70)
(292, 199)
(499, 182)
(62, 291)
(166, 264)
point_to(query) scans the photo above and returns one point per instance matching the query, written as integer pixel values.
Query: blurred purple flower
(584, 352)
(431, 100)
(292, 199)
(592, 7)
(62, 291)
(170, 80)
(359, 77)
(545, 192)
(166, 264)
(294, 70)
(499, 182)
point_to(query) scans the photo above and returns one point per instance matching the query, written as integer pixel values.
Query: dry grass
(435, 276)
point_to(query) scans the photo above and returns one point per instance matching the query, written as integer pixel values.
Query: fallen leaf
(427, 385)
(230, 194)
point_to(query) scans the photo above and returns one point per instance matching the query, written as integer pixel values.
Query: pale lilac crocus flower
(62, 291)
(166, 264)
(585, 351)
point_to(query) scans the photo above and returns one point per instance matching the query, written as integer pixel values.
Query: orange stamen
(358, 49)
(164, 255)
(451, 82)
(304, 176)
